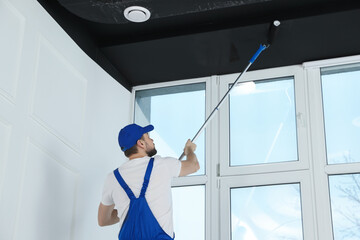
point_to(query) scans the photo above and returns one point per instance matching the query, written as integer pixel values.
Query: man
(138, 193)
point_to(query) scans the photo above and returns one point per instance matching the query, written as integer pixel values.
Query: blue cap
(129, 135)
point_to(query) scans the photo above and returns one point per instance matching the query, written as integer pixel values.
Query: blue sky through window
(263, 123)
(341, 100)
(266, 212)
(345, 206)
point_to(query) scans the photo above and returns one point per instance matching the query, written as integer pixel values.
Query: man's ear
(140, 143)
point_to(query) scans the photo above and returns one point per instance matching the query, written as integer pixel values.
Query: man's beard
(151, 152)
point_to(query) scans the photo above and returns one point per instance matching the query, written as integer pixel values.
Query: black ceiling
(195, 38)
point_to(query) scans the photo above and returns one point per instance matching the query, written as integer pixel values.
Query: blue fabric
(140, 223)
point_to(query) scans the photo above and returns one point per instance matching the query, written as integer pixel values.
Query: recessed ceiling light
(137, 14)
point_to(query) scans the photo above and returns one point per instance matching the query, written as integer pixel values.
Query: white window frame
(301, 122)
(301, 177)
(321, 170)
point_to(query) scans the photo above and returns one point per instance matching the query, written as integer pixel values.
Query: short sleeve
(175, 166)
(107, 191)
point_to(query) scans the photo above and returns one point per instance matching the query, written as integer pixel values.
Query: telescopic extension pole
(271, 35)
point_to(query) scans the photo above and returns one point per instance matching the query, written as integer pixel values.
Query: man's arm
(107, 215)
(191, 164)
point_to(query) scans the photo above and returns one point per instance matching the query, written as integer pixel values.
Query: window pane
(267, 212)
(341, 100)
(345, 206)
(263, 122)
(177, 113)
(189, 212)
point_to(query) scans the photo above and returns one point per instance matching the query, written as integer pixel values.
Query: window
(263, 122)
(266, 206)
(341, 100)
(340, 87)
(345, 206)
(263, 125)
(266, 212)
(283, 155)
(189, 212)
(264, 165)
(177, 112)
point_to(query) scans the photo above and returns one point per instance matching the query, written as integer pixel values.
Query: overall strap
(124, 185)
(147, 177)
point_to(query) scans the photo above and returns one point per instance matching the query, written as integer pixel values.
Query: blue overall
(140, 223)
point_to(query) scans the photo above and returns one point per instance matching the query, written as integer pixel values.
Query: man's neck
(137, 155)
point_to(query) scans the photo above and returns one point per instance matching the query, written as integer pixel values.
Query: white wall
(60, 114)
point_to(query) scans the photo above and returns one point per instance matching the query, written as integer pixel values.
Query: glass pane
(266, 212)
(345, 206)
(189, 212)
(341, 101)
(177, 113)
(263, 122)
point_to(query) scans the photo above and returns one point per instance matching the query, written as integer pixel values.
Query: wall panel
(47, 197)
(5, 131)
(12, 23)
(64, 89)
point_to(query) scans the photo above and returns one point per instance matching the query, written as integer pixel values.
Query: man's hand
(190, 147)
(191, 164)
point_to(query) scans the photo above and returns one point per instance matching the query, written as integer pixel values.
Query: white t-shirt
(158, 193)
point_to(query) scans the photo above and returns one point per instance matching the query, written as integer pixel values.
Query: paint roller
(272, 31)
